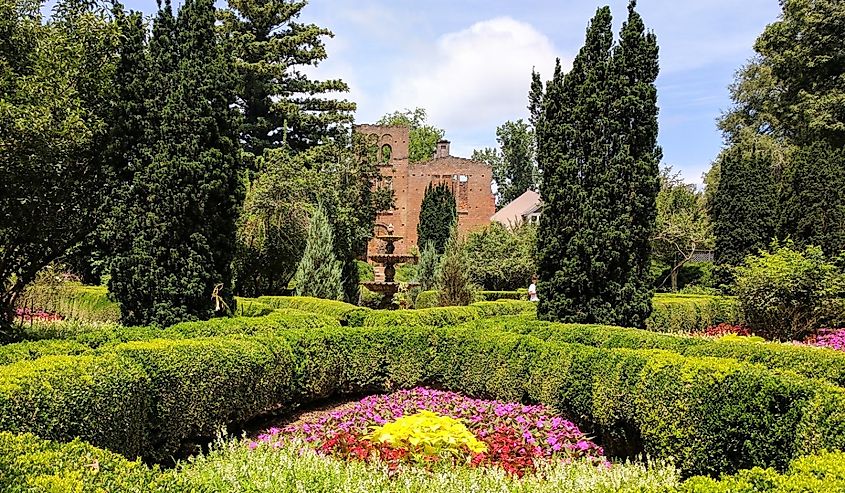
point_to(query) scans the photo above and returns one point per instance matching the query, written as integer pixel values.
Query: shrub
(319, 272)
(28, 463)
(247, 307)
(427, 299)
(427, 270)
(346, 313)
(426, 317)
(504, 307)
(500, 295)
(438, 214)
(73, 301)
(100, 399)
(198, 386)
(453, 282)
(499, 258)
(21, 351)
(685, 313)
(787, 294)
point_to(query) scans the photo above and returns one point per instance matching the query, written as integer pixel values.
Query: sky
(468, 63)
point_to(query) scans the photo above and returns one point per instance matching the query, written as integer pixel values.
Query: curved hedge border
(144, 398)
(808, 361)
(31, 350)
(346, 313)
(447, 315)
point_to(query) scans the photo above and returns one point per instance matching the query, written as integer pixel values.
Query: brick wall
(470, 182)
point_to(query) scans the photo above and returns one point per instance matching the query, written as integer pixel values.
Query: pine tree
(281, 105)
(319, 272)
(427, 268)
(186, 191)
(743, 206)
(438, 213)
(535, 100)
(598, 153)
(454, 285)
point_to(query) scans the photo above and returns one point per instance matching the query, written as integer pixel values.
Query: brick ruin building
(470, 182)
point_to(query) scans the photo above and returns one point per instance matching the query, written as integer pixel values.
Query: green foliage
(251, 308)
(174, 232)
(599, 204)
(684, 313)
(428, 299)
(346, 313)
(32, 350)
(682, 225)
(423, 135)
(318, 274)
(273, 225)
(515, 166)
(438, 213)
(428, 267)
(453, 281)
(100, 399)
(788, 293)
(72, 301)
(29, 463)
(56, 82)
(743, 219)
(365, 271)
(282, 106)
(500, 259)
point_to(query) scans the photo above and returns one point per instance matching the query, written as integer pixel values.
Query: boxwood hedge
(808, 361)
(708, 415)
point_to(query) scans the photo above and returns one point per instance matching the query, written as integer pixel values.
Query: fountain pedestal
(389, 286)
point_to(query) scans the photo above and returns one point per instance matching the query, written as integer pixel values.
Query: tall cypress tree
(319, 272)
(598, 153)
(438, 213)
(744, 206)
(186, 192)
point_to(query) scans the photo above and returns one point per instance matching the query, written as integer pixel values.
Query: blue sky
(469, 62)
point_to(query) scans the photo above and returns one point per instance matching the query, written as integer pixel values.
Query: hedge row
(95, 335)
(346, 313)
(447, 315)
(28, 463)
(808, 361)
(148, 397)
(73, 301)
(31, 350)
(686, 313)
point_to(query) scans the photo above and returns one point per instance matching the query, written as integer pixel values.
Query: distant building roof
(514, 213)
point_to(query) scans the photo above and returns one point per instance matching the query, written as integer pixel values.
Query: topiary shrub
(786, 294)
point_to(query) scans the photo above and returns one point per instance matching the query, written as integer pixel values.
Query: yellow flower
(431, 432)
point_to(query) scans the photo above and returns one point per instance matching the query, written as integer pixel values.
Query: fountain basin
(386, 287)
(391, 258)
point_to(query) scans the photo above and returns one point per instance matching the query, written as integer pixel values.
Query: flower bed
(829, 338)
(512, 436)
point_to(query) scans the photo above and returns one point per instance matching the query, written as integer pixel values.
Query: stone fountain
(388, 259)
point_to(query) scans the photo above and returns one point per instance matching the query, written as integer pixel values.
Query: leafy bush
(428, 299)
(31, 350)
(500, 295)
(346, 313)
(688, 313)
(365, 271)
(787, 294)
(810, 362)
(453, 282)
(246, 307)
(501, 259)
(73, 301)
(28, 463)
(426, 317)
(427, 269)
(319, 272)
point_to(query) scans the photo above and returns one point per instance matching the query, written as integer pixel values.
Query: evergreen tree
(186, 191)
(535, 101)
(743, 206)
(454, 285)
(514, 168)
(319, 272)
(438, 213)
(281, 105)
(427, 268)
(598, 153)
(814, 197)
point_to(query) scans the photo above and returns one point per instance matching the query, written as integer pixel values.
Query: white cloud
(477, 77)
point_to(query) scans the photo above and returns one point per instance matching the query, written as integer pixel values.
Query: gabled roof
(511, 214)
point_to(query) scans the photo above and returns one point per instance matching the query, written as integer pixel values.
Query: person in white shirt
(532, 290)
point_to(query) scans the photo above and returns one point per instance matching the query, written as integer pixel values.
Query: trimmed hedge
(427, 299)
(28, 463)
(73, 301)
(100, 334)
(22, 351)
(685, 313)
(100, 399)
(249, 307)
(709, 415)
(447, 315)
(808, 361)
(346, 313)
